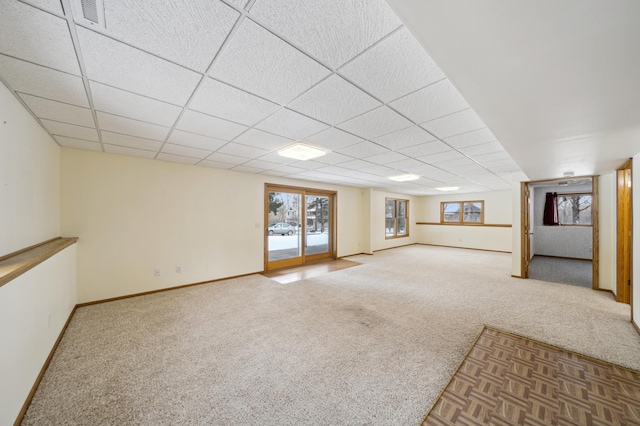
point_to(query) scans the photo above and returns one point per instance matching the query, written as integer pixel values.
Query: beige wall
(635, 293)
(607, 231)
(135, 215)
(497, 210)
(35, 306)
(516, 231)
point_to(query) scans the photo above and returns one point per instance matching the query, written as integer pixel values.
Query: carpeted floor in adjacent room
(368, 345)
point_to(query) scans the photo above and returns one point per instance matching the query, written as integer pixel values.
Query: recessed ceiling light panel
(404, 178)
(448, 188)
(302, 152)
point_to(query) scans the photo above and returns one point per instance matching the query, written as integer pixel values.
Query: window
(574, 209)
(462, 212)
(396, 218)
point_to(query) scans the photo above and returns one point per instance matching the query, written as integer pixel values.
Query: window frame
(568, 194)
(461, 220)
(395, 218)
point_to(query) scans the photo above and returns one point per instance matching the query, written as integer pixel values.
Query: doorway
(624, 238)
(564, 247)
(300, 225)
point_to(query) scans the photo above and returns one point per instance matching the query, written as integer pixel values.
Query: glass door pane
(318, 224)
(283, 227)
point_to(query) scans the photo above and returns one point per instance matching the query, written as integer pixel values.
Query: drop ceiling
(226, 84)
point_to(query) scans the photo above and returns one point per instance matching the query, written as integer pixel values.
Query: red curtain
(551, 209)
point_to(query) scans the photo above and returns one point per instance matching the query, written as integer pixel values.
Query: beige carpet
(372, 345)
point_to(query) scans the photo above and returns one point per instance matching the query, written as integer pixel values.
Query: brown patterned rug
(511, 380)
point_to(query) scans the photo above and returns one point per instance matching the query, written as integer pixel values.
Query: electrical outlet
(178, 269)
(156, 272)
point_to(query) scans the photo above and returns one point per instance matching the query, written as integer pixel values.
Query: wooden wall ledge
(490, 225)
(15, 264)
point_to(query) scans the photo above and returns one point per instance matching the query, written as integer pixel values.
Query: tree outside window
(396, 218)
(574, 209)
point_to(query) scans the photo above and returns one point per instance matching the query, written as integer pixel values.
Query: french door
(300, 225)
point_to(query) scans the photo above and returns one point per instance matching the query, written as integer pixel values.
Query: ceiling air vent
(89, 12)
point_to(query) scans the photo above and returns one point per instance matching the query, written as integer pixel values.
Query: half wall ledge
(15, 264)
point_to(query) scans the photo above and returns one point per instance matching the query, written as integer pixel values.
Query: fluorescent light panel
(448, 188)
(302, 152)
(404, 178)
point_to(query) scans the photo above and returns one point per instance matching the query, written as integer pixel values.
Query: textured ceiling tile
(485, 158)
(215, 164)
(404, 138)
(132, 152)
(333, 101)
(289, 169)
(307, 165)
(290, 124)
(221, 100)
(44, 82)
(78, 143)
(242, 150)
(36, 36)
(363, 150)
(70, 130)
(115, 101)
(382, 171)
(53, 6)
(184, 151)
(333, 139)
(425, 149)
(405, 165)
(485, 148)
(130, 141)
(116, 64)
(246, 169)
(226, 158)
(274, 172)
(188, 32)
(180, 137)
(274, 157)
(355, 165)
(454, 124)
(441, 156)
(263, 140)
(387, 157)
(331, 31)
(380, 121)
(389, 70)
(261, 63)
(432, 102)
(127, 126)
(177, 158)
(57, 111)
(206, 125)
(460, 163)
(333, 158)
(476, 137)
(240, 4)
(259, 164)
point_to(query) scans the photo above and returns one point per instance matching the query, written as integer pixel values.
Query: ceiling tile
(456, 164)
(274, 172)
(274, 157)
(261, 63)
(330, 31)
(355, 165)
(127, 104)
(290, 124)
(502, 166)
(180, 137)
(116, 64)
(432, 102)
(184, 151)
(215, 164)
(382, 171)
(363, 150)
(476, 137)
(333, 158)
(177, 158)
(259, 164)
(70, 130)
(389, 69)
(425, 149)
(226, 158)
(406, 165)
(484, 148)
(78, 143)
(206, 125)
(53, 6)
(33, 79)
(36, 36)
(57, 111)
(289, 170)
(127, 126)
(485, 158)
(221, 100)
(246, 169)
(441, 156)
(242, 150)
(239, 4)
(130, 141)
(263, 140)
(333, 101)
(333, 139)
(380, 121)
(307, 165)
(387, 157)
(132, 152)
(404, 138)
(454, 124)
(188, 32)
